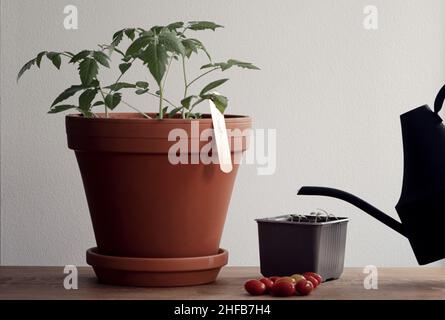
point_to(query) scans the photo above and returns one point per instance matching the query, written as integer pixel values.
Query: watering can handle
(356, 201)
(438, 102)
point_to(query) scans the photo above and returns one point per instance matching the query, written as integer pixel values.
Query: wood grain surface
(393, 283)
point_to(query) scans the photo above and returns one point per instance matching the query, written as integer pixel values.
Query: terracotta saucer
(153, 272)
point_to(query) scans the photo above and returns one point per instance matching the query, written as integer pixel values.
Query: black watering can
(421, 206)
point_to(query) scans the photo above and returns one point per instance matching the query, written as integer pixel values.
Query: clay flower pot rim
(125, 117)
(131, 133)
(157, 264)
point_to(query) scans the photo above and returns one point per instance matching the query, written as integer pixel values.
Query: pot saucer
(156, 272)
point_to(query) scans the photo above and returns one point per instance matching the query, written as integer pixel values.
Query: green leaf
(112, 100)
(130, 33)
(126, 58)
(94, 84)
(193, 45)
(212, 85)
(55, 58)
(141, 91)
(39, 58)
(98, 103)
(86, 98)
(88, 70)
(27, 66)
(60, 108)
(189, 47)
(112, 49)
(201, 46)
(142, 84)
(215, 65)
(69, 53)
(171, 41)
(156, 29)
(175, 25)
(203, 25)
(186, 101)
(191, 115)
(117, 37)
(220, 102)
(137, 45)
(123, 67)
(241, 64)
(80, 56)
(160, 115)
(200, 100)
(174, 112)
(120, 85)
(229, 64)
(146, 33)
(208, 65)
(71, 91)
(86, 113)
(102, 58)
(156, 58)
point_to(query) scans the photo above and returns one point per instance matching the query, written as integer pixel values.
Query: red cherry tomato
(298, 277)
(315, 275)
(283, 289)
(268, 283)
(274, 278)
(312, 279)
(286, 279)
(255, 287)
(304, 287)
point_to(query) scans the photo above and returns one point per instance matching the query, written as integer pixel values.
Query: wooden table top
(393, 283)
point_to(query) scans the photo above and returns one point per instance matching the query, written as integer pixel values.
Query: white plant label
(221, 139)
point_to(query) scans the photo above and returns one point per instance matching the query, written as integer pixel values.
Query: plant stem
(166, 73)
(202, 75)
(65, 55)
(103, 97)
(186, 86)
(165, 99)
(136, 109)
(184, 30)
(195, 104)
(121, 75)
(109, 92)
(161, 100)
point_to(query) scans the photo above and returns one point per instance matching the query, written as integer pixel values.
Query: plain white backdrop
(332, 89)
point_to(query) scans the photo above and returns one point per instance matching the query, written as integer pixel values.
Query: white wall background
(332, 89)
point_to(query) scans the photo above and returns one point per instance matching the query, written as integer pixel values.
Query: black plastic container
(288, 247)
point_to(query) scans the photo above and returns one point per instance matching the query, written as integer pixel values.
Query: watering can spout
(356, 201)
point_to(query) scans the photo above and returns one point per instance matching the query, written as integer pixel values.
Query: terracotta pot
(141, 205)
